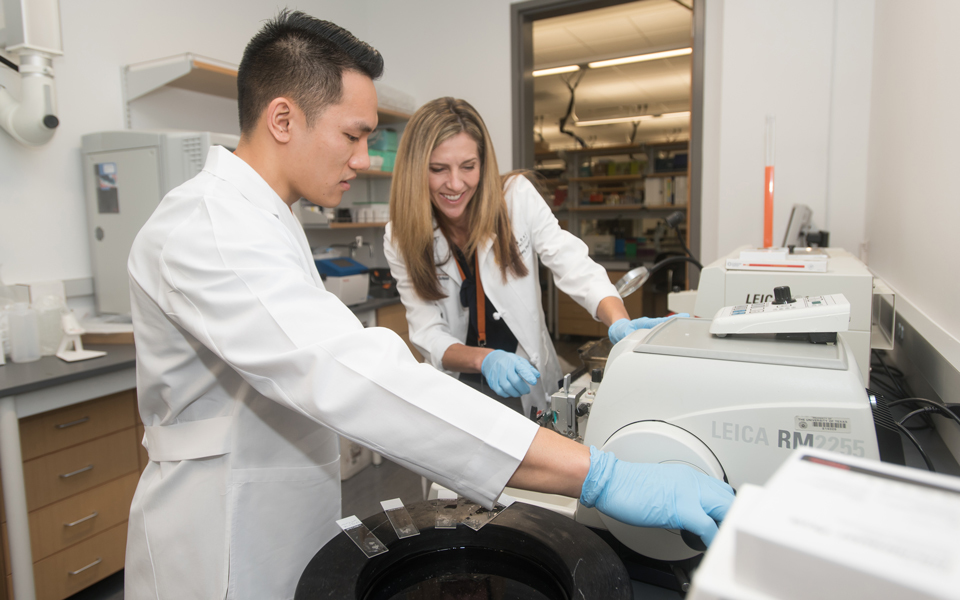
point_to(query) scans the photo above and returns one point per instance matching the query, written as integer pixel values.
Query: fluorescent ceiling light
(640, 58)
(675, 115)
(555, 70)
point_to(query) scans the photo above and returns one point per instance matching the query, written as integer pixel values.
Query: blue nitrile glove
(669, 496)
(625, 327)
(508, 374)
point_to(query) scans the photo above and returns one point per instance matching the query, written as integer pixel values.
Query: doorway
(582, 32)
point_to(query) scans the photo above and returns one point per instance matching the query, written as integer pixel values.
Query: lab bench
(70, 458)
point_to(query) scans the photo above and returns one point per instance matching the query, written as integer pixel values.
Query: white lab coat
(241, 354)
(434, 326)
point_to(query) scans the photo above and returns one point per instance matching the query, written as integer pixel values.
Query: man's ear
(280, 117)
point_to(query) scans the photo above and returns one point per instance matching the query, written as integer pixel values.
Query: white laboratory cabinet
(126, 174)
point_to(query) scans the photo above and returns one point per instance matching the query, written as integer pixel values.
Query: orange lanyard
(481, 304)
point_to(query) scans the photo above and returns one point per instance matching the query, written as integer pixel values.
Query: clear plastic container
(49, 317)
(7, 298)
(24, 333)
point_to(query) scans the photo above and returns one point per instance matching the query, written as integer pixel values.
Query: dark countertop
(374, 304)
(50, 371)
(620, 262)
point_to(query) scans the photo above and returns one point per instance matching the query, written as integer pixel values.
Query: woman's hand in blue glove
(625, 327)
(669, 496)
(507, 374)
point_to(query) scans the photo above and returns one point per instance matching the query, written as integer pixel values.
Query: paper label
(831, 424)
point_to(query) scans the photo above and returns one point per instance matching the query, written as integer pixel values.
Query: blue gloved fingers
(625, 327)
(619, 330)
(520, 376)
(513, 385)
(650, 323)
(528, 372)
(656, 495)
(701, 514)
(507, 374)
(715, 497)
(700, 525)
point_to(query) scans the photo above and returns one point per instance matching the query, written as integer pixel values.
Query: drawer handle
(72, 423)
(77, 522)
(77, 472)
(90, 566)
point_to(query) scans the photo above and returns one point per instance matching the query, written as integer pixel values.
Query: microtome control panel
(806, 314)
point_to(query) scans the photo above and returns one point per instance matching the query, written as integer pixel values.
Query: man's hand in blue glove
(669, 496)
(625, 327)
(507, 374)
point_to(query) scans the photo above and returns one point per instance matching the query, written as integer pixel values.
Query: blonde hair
(412, 212)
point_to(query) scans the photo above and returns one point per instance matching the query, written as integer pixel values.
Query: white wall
(913, 209)
(867, 131)
(808, 64)
(431, 48)
(43, 233)
(458, 48)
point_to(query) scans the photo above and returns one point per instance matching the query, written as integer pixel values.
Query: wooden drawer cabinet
(142, 455)
(81, 465)
(80, 566)
(69, 426)
(394, 317)
(73, 470)
(75, 519)
(3, 588)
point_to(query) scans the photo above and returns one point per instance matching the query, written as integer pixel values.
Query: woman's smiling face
(454, 173)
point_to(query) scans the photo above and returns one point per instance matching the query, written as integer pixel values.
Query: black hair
(301, 58)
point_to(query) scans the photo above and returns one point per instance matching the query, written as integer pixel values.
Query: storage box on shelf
(81, 466)
(611, 182)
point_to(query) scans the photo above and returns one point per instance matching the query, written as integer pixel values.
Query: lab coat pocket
(279, 518)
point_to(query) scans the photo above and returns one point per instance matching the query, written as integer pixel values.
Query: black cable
(927, 423)
(674, 259)
(892, 369)
(939, 407)
(919, 411)
(674, 220)
(926, 459)
(10, 64)
(887, 389)
(897, 383)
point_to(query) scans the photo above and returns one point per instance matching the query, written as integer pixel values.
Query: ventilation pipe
(31, 29)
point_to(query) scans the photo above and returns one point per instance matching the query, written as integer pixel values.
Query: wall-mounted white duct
(31, 29)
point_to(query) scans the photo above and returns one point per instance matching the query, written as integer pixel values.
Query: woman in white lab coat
(451, 211)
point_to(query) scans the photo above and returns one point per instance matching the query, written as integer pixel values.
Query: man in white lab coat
(247, 369)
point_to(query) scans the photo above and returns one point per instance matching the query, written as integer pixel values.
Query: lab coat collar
(442, 252)
(226, 165)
